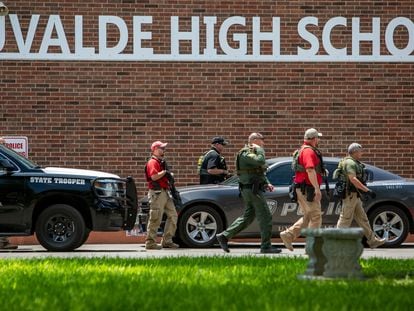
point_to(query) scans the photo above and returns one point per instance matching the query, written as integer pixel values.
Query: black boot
(223, 241)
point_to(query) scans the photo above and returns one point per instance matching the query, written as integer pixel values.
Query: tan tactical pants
(312, 215)
(352, 210)
(161, 202)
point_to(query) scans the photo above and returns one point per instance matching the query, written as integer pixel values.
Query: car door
(284, 211)
(331, 207)
(12, 196)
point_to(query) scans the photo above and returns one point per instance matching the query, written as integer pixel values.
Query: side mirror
(6, 165)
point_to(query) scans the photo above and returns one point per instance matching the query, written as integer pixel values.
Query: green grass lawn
(205, 283)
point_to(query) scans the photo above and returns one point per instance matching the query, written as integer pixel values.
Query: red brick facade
(104, 115)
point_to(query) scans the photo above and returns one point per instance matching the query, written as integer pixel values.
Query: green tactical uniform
(251, 168)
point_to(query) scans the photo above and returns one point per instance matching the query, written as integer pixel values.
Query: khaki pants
(161, 202)
(352, 210)
(312, 215)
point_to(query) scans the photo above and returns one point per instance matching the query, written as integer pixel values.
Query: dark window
(380, 174)
(2, 158)
(281, 175)
(331, 167)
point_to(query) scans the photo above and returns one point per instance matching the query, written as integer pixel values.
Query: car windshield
(21, 159)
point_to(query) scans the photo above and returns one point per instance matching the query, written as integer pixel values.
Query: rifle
(174, 192)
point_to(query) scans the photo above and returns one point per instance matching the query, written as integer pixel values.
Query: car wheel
(199, 225)
(60, 228)
(84, 238)
(389, 222)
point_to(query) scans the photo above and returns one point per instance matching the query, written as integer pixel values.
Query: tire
(389, 222)
(61, 228)
(84, 238)
(198, 226)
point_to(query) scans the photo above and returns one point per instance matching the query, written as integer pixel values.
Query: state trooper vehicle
(61, 205)
(208, 209)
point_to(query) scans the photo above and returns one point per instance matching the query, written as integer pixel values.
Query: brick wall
(104, 115)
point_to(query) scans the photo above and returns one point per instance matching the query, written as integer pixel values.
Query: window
(281, 175)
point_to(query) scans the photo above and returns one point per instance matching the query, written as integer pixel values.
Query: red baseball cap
(158, 144)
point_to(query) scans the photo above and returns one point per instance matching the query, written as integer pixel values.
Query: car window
(18, 157)
(4, 158)
(280, 175)
(380, 174)
(331, 167)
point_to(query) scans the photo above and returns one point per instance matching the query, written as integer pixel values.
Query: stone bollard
(333, 253)
(342, 248)
(313, 248)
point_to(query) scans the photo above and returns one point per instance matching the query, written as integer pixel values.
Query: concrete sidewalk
(138, 251)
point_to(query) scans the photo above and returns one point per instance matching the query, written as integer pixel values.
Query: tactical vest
(255, 170)
(155, 183)
(200, 163)
(297, 167)
(340, 173)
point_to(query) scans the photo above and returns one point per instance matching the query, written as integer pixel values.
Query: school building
(93, 83)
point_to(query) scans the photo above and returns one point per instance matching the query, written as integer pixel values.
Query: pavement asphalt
(405, 251)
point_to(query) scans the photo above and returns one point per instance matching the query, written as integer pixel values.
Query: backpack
(342, 186)
(201, 161)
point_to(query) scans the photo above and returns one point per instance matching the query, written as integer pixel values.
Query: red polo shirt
(154, 166)
(308, 159)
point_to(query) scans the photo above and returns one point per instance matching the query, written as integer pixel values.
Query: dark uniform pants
(255, 206)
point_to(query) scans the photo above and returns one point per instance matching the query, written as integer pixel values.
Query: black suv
(62, 206)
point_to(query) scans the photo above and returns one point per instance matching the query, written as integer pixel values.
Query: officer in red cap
(160, 200)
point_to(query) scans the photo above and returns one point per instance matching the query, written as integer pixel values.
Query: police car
(60, 205)
(209, 209)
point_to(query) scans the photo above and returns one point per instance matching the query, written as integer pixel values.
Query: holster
(257, 185)
(302, 187)
(310, 193)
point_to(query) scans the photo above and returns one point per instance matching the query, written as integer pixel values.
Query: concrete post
(342, 248)
(333, 253)
(313, 248)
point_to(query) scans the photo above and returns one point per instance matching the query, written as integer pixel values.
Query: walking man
(251, 168)
(351, 171)
(307, 181)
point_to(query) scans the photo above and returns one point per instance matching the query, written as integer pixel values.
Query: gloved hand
(371, 193)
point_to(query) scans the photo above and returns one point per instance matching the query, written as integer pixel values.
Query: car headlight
(110, 189)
